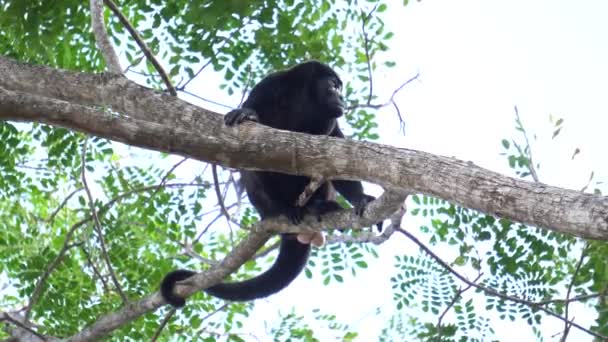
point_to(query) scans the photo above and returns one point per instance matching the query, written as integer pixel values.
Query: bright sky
(477, 60)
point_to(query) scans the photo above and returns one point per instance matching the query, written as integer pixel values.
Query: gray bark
(157, 121)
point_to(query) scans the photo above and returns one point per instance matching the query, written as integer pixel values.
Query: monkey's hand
(295, 214)
(237, 116)
(318, 208)
(362, 204)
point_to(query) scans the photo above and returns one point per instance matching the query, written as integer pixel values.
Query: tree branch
(142, 45)
(41, 94)
(98, 227)
(101, 37)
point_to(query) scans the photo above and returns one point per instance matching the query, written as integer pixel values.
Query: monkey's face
(329, 96)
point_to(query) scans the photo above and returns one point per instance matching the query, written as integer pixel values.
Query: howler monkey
(306, 98)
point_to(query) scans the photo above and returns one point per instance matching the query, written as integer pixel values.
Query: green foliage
(292, 327)
(420, 280)
(336, 259)
(49, 32)
(48, 241)
(515, 260)
(150, 215)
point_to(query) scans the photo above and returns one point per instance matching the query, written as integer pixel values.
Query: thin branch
(101, 37)
(98, 228)
(574, 275)
(63, 204)
(364, 19)
(207, 227)
(573, 299)
(218, 193)
(390, 100)
(5, 316)
(212, 313)
(40, 283)
(531, 166)
(95, 270)
(455, 299)
(206, 100)
(142, 45)
(166, 176)
(163, 324)
(492, 292)
(247, 85)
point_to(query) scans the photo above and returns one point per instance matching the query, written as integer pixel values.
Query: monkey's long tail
(291, 260)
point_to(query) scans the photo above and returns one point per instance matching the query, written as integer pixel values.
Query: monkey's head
(323, 86)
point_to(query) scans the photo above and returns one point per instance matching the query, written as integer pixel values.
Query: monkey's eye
(335, 84)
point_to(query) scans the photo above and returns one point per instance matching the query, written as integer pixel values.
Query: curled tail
(291, 260)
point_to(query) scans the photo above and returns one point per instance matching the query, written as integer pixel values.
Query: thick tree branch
(40, 94)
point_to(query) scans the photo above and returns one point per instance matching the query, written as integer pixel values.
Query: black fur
(307, 99)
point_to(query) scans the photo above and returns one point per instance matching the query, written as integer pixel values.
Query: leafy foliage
(151, 210)
(156, 213)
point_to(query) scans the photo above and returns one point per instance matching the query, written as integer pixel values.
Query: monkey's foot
(316, 239)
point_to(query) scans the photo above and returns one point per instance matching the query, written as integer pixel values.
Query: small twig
(531, 167)
(98, 228)
(218, 193)
(95, 270)
(207, 228)
(63, 204)
(209, 315)
(101, 37)
(573, 299)
(142, 45)
(455, 299)
(206, 100)
(163, 324)
(166, 176)
(364, 19)
(390, 100)
(246, 85)
(574, 275)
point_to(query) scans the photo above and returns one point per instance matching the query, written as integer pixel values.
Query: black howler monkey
(306, 98)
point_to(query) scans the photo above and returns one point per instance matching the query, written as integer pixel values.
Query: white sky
(477, 60)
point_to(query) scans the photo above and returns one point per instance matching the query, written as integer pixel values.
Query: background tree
(89, 226)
